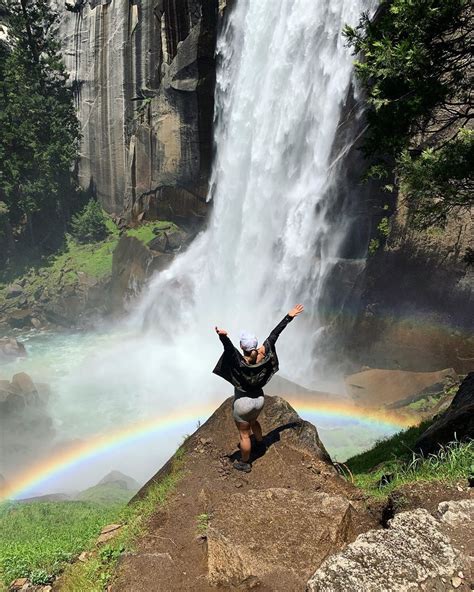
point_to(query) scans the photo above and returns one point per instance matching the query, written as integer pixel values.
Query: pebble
(456, 582)
(238, 484)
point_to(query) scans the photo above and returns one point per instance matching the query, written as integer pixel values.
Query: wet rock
(177, 239)
(133, 263)
(457, 422)
(11, 348)
(19, 318)
(160, 243)
(413, 550)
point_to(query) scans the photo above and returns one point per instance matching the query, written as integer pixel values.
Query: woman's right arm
(226, 342)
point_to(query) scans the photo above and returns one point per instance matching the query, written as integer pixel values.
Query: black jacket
(247, 379)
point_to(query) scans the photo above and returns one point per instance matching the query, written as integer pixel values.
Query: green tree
(89, 225)
(40, 131)
(416, 69)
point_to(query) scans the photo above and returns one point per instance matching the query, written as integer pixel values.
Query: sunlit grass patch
(36, 539)
(452, 463)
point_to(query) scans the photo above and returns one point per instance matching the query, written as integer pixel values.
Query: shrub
(89, 225)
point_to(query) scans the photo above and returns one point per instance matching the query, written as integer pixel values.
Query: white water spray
(283, 79)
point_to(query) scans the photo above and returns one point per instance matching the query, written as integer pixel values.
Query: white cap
(248, 341)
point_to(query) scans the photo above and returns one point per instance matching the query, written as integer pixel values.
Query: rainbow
(100, 444)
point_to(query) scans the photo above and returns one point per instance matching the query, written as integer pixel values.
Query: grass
(398, 446)
(96, 573)
(106, 493)
(392, 463)
(36, 539)
(202, 522)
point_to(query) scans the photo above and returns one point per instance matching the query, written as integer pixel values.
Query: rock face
(143, 73)
(133, 263)
(394, 388)
(457, 421)
(414, 553)
(417, 299)
(269, 528)
(240, 551)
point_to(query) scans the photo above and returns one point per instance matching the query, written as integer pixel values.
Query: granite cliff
(143, 74)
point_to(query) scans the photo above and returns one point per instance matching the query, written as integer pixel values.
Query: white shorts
(247, 409)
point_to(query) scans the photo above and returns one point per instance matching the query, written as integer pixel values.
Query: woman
(248, 373)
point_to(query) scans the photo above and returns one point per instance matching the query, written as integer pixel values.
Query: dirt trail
(269, 529)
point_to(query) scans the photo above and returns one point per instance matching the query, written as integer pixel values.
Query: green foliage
(398, 446)
(37, 539)
(90, 224)
(202, 523)
(439, 183)
(414, 59)
(415, 68)
(450, 464)
(40, 131)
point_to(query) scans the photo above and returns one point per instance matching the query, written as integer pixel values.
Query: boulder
(11, 348)
(456, 422)
(14, 290)
(414, 553)
(19, 318)
(277, 521)
(377, 387)
(133, 263)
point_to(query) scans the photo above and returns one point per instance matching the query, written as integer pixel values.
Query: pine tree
(39, 128)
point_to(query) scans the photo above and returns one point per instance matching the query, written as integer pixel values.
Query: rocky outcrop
(457, 422)
(315, 523)
(416, 552)
(143, 73)
(133, 263)
(25, 421)
(11, 348)
(269, 528)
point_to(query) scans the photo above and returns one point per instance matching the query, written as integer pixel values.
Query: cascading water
(274, 237)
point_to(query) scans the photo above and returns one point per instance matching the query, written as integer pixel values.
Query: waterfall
(281, 231)
(278, 222)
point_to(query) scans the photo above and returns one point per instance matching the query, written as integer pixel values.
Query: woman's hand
(220, 331)
(296, 310)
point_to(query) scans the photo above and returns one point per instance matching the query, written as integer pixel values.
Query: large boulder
(278, 521)
(416, 552)
(456, 423)
(11, 348)
(269, 528)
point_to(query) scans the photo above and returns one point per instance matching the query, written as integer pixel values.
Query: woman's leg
(257, 430)
(245, 444)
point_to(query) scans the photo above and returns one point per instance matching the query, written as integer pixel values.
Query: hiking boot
(242, 466)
